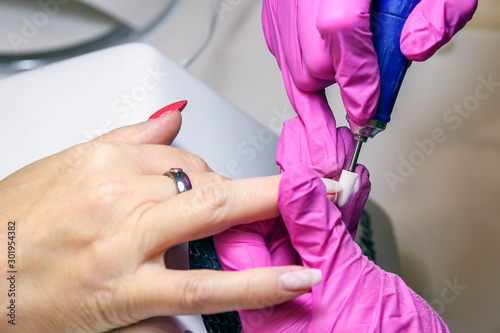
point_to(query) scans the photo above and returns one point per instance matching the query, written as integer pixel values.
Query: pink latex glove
(319, 42)
(355, 295)
(316, 44)
(267, 243)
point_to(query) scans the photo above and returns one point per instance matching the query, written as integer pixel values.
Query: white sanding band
(347, 180)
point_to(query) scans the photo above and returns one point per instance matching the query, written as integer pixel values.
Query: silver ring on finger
(180, 178)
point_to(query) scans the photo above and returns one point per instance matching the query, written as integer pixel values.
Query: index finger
(208, 210)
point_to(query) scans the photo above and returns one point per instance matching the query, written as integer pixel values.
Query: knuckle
(96, 184)
(94, 153)
(102, 306)
(198, 163)
(212, 199)
(190, 162)
(104, 151)
(196, 293)
(304, 79)
(213, 177)
(343, 20)
(78, 154)
(103, 191)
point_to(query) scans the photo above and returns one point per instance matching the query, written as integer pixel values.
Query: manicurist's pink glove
(267, 243)
(319, 42)
(432, 24)
(355, 295)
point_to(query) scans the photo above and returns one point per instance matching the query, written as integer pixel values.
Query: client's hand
(93, 224)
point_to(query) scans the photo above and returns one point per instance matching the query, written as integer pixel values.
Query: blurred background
(434, 170)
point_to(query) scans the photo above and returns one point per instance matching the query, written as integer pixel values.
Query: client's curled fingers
(207, 291)
(209, 209)
(153, 159)
(158, 131)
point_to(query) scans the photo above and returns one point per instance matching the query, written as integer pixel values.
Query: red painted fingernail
(180, 105)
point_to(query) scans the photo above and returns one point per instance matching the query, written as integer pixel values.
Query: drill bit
(359, 143)
(348, 177)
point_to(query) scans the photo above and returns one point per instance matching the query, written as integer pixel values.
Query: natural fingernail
(180, 105)
(332, 186)
(301, 279)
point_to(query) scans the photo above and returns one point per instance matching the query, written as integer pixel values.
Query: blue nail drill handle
(387, 20)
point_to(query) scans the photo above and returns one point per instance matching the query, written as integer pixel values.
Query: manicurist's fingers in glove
(320, 42)
(432, 24)
(94, 223)
(315, 47)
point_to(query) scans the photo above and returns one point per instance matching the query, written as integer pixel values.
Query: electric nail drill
(387, 20)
